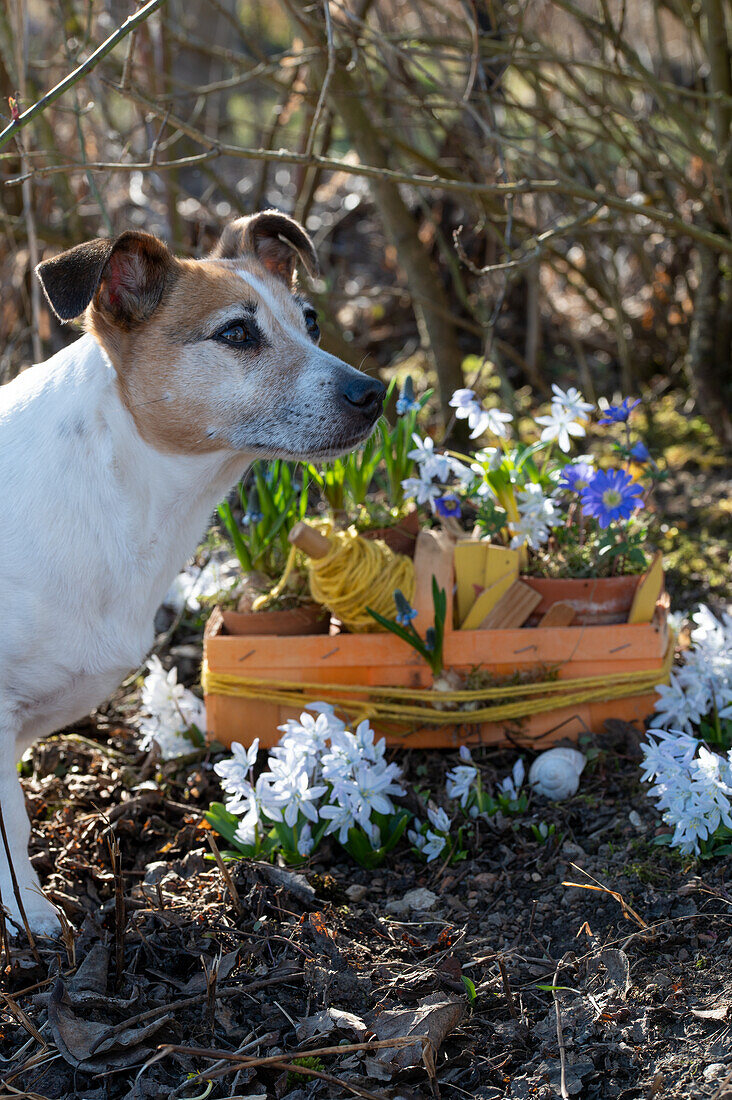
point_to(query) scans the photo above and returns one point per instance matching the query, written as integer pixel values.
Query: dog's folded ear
(276, 240)
(125, 277)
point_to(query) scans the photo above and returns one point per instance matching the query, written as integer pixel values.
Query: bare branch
(91, 62)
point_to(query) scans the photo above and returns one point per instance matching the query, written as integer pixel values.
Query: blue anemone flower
(611, 495)
(618, 414)
(447, 505)
(405, 611)
(576, 476)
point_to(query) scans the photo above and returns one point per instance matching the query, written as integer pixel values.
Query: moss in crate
(480, 677)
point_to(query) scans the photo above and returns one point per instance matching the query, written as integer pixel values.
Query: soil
(620, 985)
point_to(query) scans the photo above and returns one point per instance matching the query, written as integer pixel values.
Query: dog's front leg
(39, 912)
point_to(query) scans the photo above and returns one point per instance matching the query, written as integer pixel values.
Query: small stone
(535, 876)
(714, 1070)
(636, 821)
(485, 878)
(356, 892)
(573, 851)
(155, 873)
(420, 898)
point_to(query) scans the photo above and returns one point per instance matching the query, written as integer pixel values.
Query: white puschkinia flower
(703, 684)
(571, 400)
(169, 711)
(537, 514)
(434, 845)
(320, 774)
(431, 463)
(511, 785)
(690, 784)
(479, 420)
(194, 584)
(560, 424)
(421, 490)
(428, 842)
(460, 781)
(439, 819)
(486, 462)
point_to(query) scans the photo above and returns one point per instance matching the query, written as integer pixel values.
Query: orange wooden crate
(384, 660)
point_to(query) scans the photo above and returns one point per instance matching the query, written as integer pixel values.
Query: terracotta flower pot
(402, 537)
(597, 601)
(309, 618)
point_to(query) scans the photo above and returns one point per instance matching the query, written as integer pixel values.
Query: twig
(326, 81)
(15, 1010)
(91, 62)
(628, 912)
(560, 1035)
(16, 888)
(185, 1002)
(285, 1061)
(115, 856)
(528, 257)
(127, 67)
(507, 991)
(561, 186)
(226, 875)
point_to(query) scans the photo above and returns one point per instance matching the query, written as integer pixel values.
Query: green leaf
(470, 987)
(222, 821)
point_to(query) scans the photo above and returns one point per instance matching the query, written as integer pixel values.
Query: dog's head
(219, 353)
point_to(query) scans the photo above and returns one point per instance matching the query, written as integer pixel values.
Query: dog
(115, 452)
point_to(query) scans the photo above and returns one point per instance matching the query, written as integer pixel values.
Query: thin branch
(91, 62)
(558, 186)
(326, 82)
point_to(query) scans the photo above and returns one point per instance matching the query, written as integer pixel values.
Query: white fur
(94, 525)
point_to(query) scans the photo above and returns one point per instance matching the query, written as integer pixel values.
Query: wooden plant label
(559, 614)
(647, 592)
(513, 608)
(433, 557)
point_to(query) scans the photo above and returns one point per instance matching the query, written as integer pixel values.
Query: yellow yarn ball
(357, 573)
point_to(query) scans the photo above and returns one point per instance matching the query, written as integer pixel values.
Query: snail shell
(555, 773)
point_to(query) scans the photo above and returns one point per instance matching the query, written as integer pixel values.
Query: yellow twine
(378, 703)
(358, 573)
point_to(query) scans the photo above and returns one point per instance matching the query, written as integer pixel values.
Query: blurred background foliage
(502, 194)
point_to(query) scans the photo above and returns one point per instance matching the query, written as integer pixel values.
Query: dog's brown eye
(236, 334)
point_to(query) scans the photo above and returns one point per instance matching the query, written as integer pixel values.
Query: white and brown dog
(114, 453)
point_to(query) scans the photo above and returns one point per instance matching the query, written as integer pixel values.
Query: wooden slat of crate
(375, 660)
(615, 645)
(243, 720)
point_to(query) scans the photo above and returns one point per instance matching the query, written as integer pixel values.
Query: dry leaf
(434, 1019)
(76, 1036)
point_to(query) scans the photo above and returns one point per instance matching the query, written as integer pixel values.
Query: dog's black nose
(364, 393)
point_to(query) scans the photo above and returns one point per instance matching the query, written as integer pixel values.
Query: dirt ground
(181, 984)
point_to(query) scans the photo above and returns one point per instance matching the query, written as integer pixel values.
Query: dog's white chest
(94, 525)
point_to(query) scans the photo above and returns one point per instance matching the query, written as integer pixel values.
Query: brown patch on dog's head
(216, 355)
(185, 387)
(277, 241)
